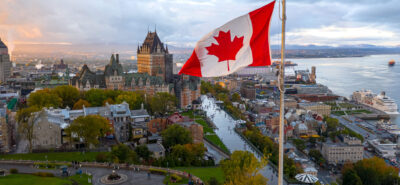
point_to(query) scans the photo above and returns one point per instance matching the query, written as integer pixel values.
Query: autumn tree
(162, 102)
(89, 129)
(236, 97)
(243, 169)
(109, 101)
(68, 94)
(174, 135)
(134, 99)
(80, 103)
(26, 119)
(371, 171)
(44, 98)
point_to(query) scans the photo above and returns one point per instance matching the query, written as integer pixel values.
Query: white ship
(380, 102)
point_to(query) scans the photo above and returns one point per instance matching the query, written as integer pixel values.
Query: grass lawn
(205, 173)
(53, 156)
(217, 141)
(213, 138)
(26, 179)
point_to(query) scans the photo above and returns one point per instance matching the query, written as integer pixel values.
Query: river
(225, 130)
(346, 75)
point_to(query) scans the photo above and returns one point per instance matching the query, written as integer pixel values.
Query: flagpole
(282, 97)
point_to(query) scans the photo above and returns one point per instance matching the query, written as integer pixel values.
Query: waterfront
(346, 75)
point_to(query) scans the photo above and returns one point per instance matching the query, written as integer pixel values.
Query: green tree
(89, 129)
(351, 178)
(134, 99)
(95, 97)
(44, 98)
(213, 181)
(162, 102)
(68, 94)
(80, 103)
(174, 135)
(26, 119)
(236, 97)
(243, 168)
(181, 154)
(332, 124)
(143, 152)
(123, 154)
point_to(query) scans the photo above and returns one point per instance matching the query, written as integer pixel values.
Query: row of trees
(63, 96)
(371, 171)
(333, 129)
(180, 151)
(270, 149)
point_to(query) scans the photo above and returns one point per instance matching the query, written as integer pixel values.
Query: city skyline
(182, 23)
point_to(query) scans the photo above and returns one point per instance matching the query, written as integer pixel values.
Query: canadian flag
(241, 42)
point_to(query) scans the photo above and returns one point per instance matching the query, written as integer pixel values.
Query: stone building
(319, 108)
(5, 64)
(154, 59)
(339, 153)
(47, 131)
(4, 131)
(155, 74)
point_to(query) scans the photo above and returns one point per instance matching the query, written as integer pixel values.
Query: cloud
(183, 22)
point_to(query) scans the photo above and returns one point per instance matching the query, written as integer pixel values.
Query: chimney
(117, 57)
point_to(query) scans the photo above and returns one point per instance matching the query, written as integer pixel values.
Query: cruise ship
(380, 102)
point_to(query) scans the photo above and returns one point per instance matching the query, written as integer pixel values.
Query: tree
(108, 101)
(174, 135)
(68, 94)
(213, 181)
(80, 103)
(316, 154)
(123, 153)
(88, 128)
(351, 178)
(44, 98)
(134, 99)
(143, 152)
(243, 168)
(26, 119)
(95, 97)
(162, 102)
(236, 97)
(332, 124)
(370, 171)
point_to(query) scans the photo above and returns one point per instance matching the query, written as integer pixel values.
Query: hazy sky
(183, 22)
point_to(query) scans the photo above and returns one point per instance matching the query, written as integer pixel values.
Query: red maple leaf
(226, 49)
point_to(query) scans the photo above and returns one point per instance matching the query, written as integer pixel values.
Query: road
(225, 130)
(355, 128)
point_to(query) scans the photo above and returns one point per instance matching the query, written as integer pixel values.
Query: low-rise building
(319, 108)
(157, 149)
(47, 130)
(340, 153)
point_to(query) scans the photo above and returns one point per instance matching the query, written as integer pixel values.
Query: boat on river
(391, 63)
